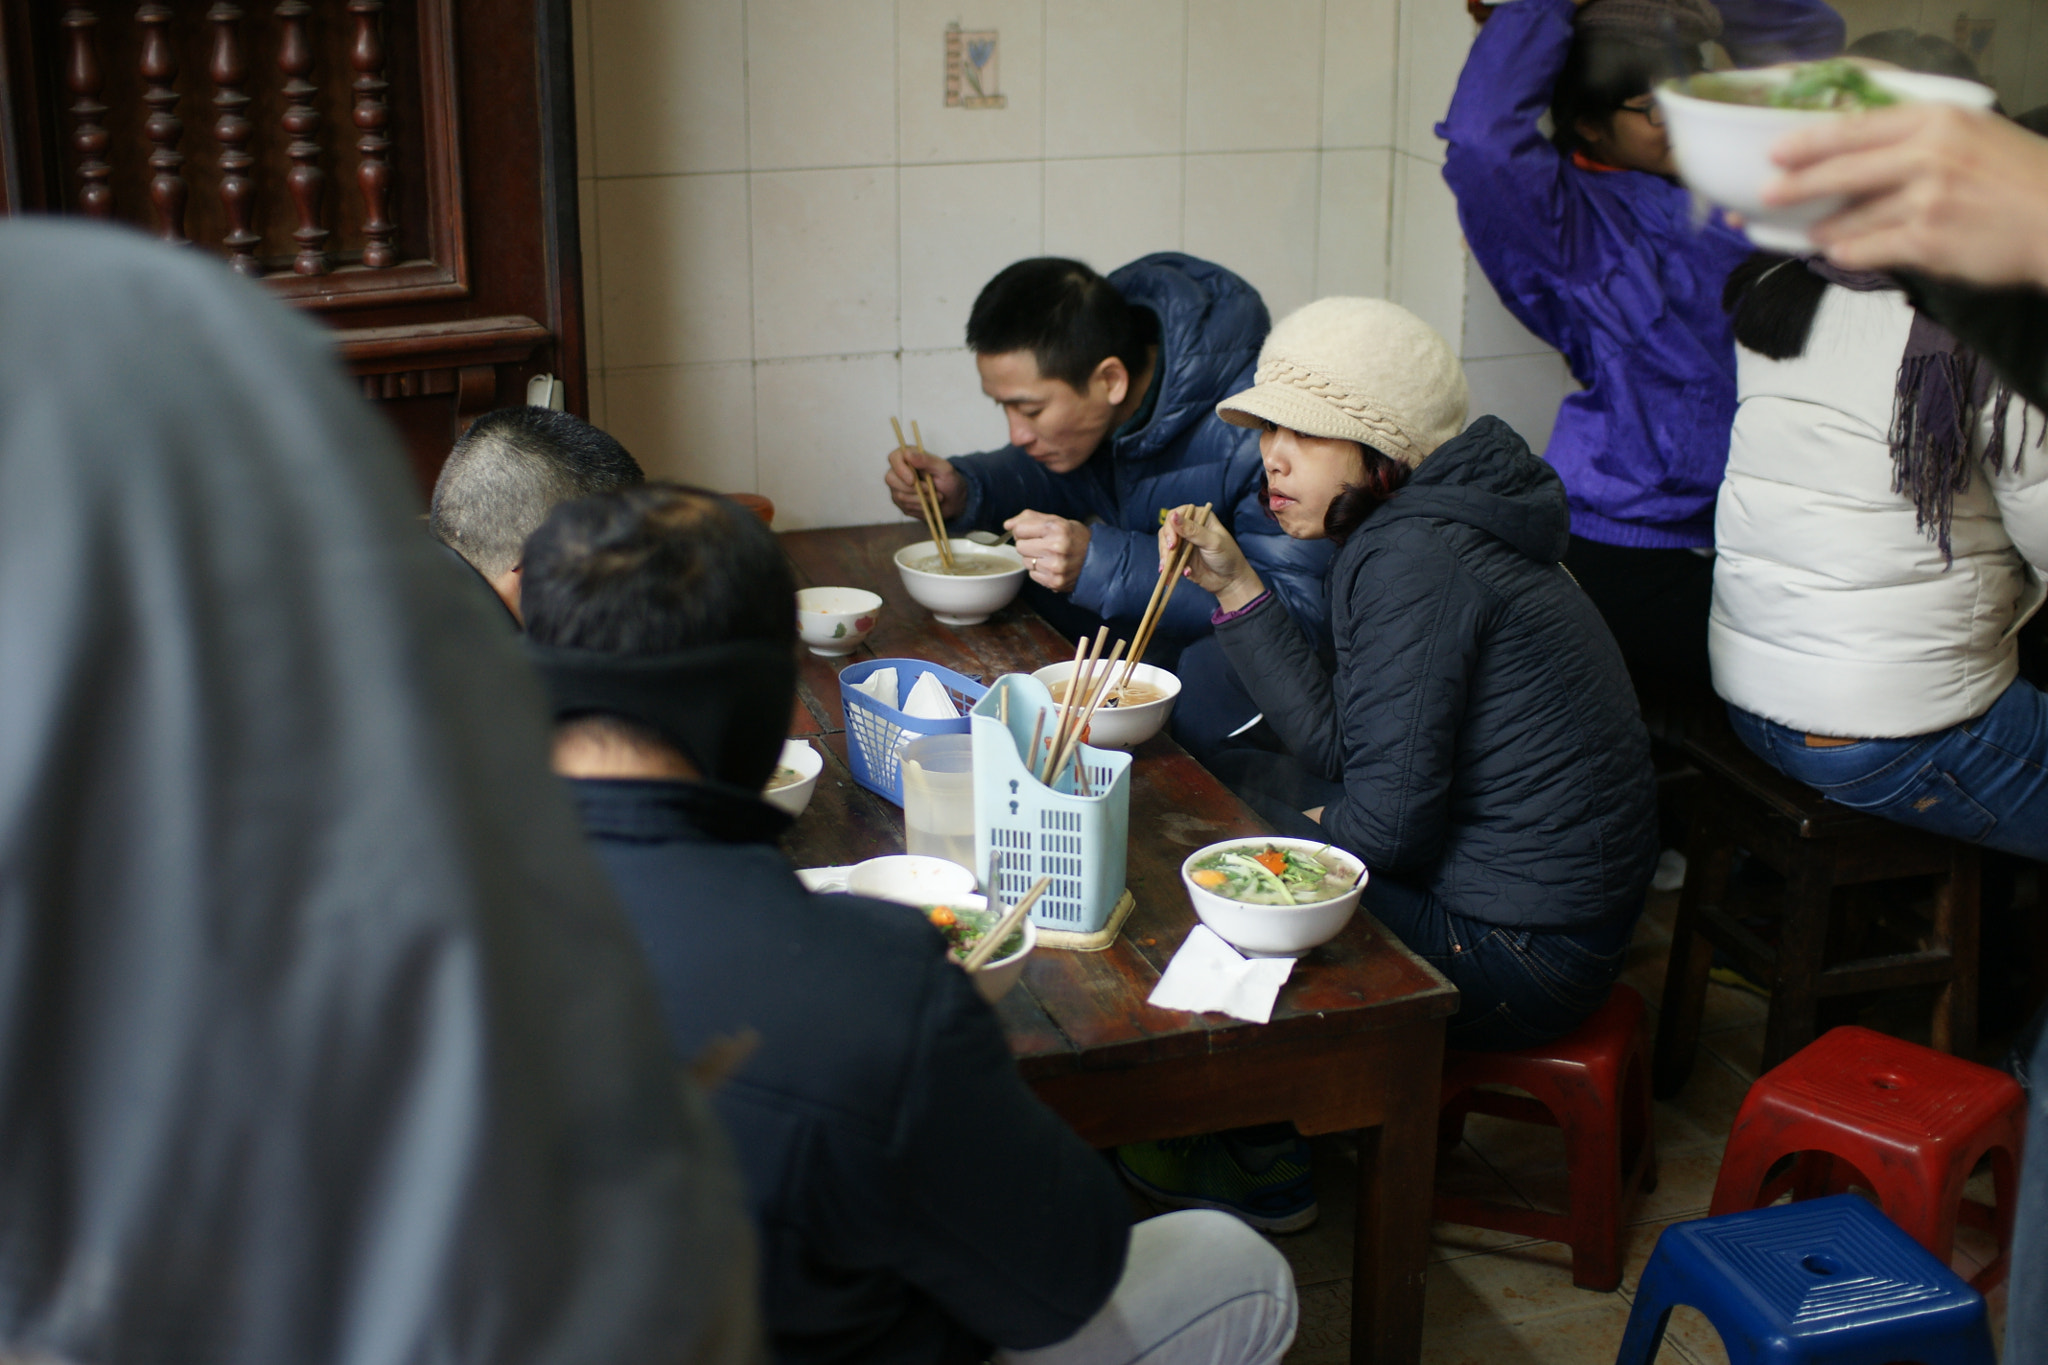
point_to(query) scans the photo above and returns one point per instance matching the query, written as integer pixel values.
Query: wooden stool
(1817, 846)
(1906, 1122)
(1592, 1083)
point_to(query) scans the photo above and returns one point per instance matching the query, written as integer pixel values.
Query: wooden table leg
(1396, 1177)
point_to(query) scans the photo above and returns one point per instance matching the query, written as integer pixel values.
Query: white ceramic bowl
(958, 600)
(1724, 150)
(1122, 727)
(1273, 930)
(800, 755)
(834, 621)
(911, 879)
(996, 976)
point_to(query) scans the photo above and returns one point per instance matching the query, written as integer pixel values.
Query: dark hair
(1384, 477)
(1070, 319)
(509, 469)
(1771, 301)
(1603, 72)
(655, 570)
(1915, 52)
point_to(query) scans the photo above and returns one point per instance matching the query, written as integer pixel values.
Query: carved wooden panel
(403, 168)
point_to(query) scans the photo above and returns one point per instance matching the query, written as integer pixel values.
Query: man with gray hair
(506, 473)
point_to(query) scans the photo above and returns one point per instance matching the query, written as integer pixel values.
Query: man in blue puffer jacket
(1110, 387)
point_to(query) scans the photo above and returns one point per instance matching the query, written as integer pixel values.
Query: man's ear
(507, 585)
(1111, 380)
(1593, 131)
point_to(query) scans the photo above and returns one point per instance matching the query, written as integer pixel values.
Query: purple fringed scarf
(1937, 402)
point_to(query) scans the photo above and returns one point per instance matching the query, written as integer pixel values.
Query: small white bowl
(1273, 930)
(1724, 150)
(800, 755)
(1122, 727)
(911, 879)
(834, 621)
(998, 975)
(961, 600)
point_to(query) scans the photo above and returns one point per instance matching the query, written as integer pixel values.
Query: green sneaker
(1259, 1176)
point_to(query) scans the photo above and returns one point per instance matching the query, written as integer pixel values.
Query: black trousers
(1655, 602)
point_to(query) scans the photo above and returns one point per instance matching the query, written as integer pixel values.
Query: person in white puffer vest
(1881, 536)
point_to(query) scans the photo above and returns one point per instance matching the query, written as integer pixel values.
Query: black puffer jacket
(1480, 720)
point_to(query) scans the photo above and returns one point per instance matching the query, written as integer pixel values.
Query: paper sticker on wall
(971, 80)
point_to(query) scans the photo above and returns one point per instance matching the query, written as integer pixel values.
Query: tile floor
(1496, 1299)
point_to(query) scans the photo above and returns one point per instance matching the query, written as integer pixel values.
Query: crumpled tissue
(1209, 974)
(881, 685)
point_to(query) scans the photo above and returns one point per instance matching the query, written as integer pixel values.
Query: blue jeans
(1516, 987)
(1984, 781)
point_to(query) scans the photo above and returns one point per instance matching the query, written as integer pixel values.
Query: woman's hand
(1948, 191)
(1218, 564)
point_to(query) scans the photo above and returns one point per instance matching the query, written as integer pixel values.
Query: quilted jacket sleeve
(1278, 666)
(1413, 640)
(1387, 725)
(2020, 486)
(1002, 483)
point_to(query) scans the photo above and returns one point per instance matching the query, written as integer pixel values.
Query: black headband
(726, 707)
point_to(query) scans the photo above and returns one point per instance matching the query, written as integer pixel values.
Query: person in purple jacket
(1594, 245)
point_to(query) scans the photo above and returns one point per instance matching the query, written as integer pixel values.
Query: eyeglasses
(1646, 106)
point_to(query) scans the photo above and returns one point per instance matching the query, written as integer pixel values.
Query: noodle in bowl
(961, 598)
(1137, 715)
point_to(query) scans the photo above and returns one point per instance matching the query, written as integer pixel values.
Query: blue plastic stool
(1829, 1281)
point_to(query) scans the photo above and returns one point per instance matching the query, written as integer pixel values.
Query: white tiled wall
(784, 227)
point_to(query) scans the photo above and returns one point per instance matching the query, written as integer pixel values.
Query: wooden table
(1356, 1040)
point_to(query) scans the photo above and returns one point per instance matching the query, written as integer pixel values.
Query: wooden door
(403, 169)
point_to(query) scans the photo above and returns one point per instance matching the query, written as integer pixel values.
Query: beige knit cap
(1360, 370)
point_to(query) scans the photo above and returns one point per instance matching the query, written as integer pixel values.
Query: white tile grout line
(1187, 95)
(1315, 239)
(747, 141)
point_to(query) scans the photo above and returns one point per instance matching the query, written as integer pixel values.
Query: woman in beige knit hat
(1477, 745)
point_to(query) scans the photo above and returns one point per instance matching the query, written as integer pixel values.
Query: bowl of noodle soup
(983, 580)
(1127, 716)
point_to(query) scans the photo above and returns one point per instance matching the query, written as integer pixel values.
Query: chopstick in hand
(1007, 926)
(1162, 593)
(927, 498)
(931, 491)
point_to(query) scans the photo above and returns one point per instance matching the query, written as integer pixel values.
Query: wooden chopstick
(927, 499)
(931, 490)
(1071, 707)
(1162, 593)
(1095, 700)
(1005, 927)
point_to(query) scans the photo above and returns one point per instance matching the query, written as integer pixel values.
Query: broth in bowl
(1137, 694)
(1265, 874)
(964, 565)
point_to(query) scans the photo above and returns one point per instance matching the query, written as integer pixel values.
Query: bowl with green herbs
(963, 921)
(1273, 896)
(1723, 124)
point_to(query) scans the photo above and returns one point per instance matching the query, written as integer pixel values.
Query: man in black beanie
(879, 1087)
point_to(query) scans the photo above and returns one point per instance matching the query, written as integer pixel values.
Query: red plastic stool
(1909, 1123)
(1594, 1084)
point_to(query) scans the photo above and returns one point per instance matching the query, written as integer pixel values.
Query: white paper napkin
(1209, 974)
(822, 880)
(928, 700)
(881, 685)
